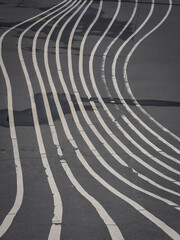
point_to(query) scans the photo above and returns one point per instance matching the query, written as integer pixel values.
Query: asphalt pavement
(89, 120)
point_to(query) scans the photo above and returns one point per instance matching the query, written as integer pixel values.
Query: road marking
(78, 98)
(57, 221)
(103, 122)
(19, 175)
(163, 226)
(110, 224)
(58, 208)
(100, 118)
(123, 116)
(116, 87)
(126, 78)
(87, 119)
(112, 227)
(151, 217)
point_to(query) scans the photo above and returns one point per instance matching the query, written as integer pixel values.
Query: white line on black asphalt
(104, 124)
(116, 87)
(160, 151)
(55, 230)
(112, 227)
(19, 175)
(173, 234)
(87, 119)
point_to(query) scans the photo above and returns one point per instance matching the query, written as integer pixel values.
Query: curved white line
(101, 101)
(77, 95)
(55, 230)
(169, 231)
(112, 227)
(87, 119)
(163, 226)
(126, 77)
(101, 211)
(106, 128)
(19, 175)
(40, 78)
(114, 234)
(120, 95)
(109, 131)
(160, 151)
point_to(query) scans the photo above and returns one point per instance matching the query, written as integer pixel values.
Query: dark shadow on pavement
(25, 118)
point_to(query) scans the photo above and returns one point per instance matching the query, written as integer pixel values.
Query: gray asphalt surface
(140, 196)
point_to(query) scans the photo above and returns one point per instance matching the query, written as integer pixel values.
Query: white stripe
(19, 192)
(55, 230)
(119, 93)
(160, 224)
(91, 125)
(102, 121)
(163, 226)
(79, 101)
(126, 78)
(19, 176)
(58, 209)
(113, 229)
(40, 79)
(160, 151)
(123, 116)
(155, 220)
(125, 72)
(110, 224)
(94, 107)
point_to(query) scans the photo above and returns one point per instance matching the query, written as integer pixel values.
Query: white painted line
(55, 233)
(93, 128)
(148, 141)
(126, 78)
(113, 229)
(123, 116)
(19, 192)
(108, 131)
(162, 225)
(58, 208)
(34, 58)
(110, 224)
(152, 218)
(54, 92)
(116, 87)
(19, 176)
(78, 98)
(156, 184)
(6, 223)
